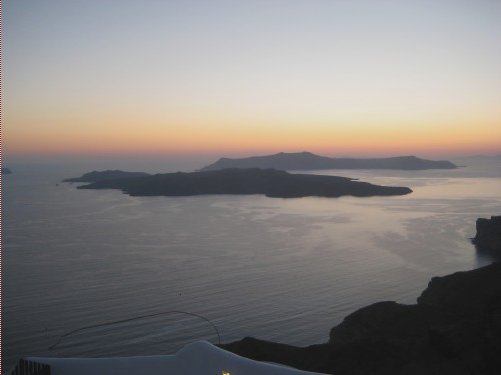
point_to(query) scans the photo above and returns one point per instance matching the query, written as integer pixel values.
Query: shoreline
(454, 328)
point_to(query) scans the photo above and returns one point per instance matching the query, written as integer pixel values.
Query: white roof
(198, 358)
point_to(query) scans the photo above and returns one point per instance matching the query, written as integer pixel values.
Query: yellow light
(225, 373)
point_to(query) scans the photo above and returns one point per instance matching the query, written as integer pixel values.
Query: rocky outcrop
(455, 328)
(96, 176)
(270, 182)
(309, 161)
(488, 237)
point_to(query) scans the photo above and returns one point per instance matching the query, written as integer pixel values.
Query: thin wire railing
(72, 332)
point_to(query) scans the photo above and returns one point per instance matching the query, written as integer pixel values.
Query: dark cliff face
(455, 328)
(488, 237)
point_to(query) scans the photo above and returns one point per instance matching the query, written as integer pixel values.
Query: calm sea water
(278, 269)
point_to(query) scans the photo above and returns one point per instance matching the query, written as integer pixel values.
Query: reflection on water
(278, 269)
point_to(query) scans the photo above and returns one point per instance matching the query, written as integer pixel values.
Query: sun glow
(331, 78)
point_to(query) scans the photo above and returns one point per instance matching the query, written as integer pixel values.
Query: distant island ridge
(96, 176)
(6, 170)
(270, 182)
(309, 161)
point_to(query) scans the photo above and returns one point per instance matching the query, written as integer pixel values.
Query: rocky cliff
(488, 237)
(455, 328)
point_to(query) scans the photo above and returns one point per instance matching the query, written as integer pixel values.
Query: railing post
(25, 367)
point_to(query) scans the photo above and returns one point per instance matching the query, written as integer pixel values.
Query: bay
(277, 269)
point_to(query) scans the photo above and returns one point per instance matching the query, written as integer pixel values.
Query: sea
(99, 273)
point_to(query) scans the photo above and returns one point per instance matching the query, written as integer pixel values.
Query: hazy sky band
(242, 76)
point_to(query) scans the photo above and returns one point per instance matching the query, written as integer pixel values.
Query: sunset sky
(234, 78)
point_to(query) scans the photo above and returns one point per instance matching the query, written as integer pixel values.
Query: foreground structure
(198, 358)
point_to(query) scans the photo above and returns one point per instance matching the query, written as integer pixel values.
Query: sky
(237, 78)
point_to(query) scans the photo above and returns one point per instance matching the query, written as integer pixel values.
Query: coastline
(454, 328)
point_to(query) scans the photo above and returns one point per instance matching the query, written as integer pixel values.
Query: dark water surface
(277, 269)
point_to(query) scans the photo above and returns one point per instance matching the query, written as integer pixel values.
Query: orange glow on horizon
(228, 139)
(338, 78)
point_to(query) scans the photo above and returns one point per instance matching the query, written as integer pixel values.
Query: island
(96, 176)
(454, 329)
(270, 182)
(488, 237)
(6, 170)
(309, 161)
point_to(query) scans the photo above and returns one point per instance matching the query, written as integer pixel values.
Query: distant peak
(295, 153)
